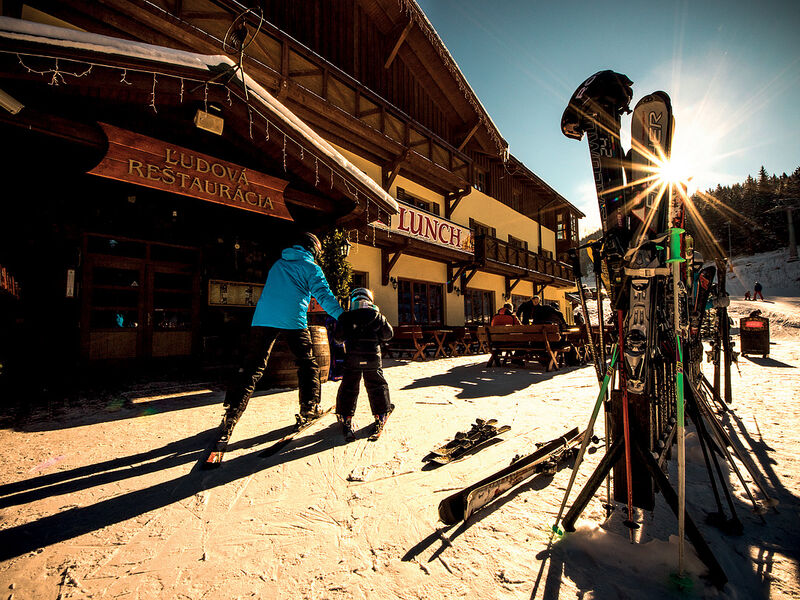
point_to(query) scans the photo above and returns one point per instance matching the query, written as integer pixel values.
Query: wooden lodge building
(158, 152)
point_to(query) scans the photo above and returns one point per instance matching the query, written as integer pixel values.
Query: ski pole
(587, 436)
(626, 427)
(675, 259)
(578, 273)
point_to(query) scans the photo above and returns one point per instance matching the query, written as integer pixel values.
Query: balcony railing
(492, 248)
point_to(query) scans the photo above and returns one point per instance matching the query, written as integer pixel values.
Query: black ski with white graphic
(457, 507)
(651, 138)
(595, 109)
(469, 447)
(463, 438)
(701, 290)
(300, 427)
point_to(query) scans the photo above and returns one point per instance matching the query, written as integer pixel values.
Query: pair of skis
(220, 446)
(461, 505)
(482, 435)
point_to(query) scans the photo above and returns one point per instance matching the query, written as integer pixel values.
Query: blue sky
(732, 69)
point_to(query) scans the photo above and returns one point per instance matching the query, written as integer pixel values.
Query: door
(140, 299)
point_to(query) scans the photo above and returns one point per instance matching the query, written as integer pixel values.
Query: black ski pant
(259, 347)
(377, 391)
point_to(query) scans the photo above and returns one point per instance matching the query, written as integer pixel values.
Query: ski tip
(213, 462)
(682, 583)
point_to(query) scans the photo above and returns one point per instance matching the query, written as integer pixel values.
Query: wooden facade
(368, 76)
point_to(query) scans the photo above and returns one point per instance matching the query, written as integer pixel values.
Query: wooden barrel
(282, 369)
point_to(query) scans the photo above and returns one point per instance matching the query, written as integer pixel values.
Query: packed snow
(102, 496)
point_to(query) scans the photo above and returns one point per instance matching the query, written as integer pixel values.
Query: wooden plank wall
(342, 33)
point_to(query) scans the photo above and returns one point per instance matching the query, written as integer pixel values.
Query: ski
(454, 508)
(469, 449)
(463, 438)
(300, 427)
(217, 453)
(380, 425)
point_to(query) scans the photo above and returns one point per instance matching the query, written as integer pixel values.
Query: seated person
(525, 309)
(505, 316)
(547, 313)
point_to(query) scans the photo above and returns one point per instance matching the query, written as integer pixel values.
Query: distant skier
(281, 310)
(747, 295)
(757, 291)
(362, 329)
(505, 316)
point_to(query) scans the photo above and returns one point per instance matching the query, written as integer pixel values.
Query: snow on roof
(70, 38)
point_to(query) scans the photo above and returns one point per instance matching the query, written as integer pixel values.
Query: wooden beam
(469, 136)
(451, 200)
(510, 286)
(388, 262)
(390, 170)
(398, 43)
(467, 278)
(452, 276)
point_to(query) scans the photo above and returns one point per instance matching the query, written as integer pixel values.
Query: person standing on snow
(757, 291)
(362, 329)
(281, 310)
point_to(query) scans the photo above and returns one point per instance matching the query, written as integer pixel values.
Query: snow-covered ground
(106, 501)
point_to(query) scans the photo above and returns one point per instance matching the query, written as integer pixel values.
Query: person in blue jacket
(281, 310)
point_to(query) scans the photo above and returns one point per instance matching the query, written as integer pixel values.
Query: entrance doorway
(141, 299)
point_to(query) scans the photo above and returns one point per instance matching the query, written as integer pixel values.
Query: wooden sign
(233, 293)
(152, 163)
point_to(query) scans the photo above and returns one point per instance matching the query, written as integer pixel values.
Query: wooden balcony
(496, 256)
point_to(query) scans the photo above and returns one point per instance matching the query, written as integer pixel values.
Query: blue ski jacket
(291, 282)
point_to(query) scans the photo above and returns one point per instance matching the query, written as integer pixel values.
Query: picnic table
(543, 342)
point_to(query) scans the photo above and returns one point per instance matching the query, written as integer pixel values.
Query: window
(479, 180)
(481, 229)
(404, 196)
(478, 307)
(360, 279)
(517, 243)
(419, 303)
(516, 200)
(517, 299)
(573, 219)
(560, 227)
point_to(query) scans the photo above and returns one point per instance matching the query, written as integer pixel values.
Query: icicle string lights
(57, 74)
(153, 96)
(58, 77)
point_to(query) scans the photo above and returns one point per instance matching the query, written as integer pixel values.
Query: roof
(203, 64)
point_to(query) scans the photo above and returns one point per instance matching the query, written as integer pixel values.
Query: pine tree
(337, 269)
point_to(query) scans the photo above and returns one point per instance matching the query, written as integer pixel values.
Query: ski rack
(669, 390)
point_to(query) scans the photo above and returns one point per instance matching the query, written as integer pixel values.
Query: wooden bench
(408, 339)
(543, 342)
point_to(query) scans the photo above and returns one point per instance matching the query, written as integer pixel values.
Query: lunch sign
(153, 163)
(431, 228)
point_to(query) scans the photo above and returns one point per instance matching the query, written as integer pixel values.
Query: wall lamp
(457, 290)
(344, 249)
(393, 281)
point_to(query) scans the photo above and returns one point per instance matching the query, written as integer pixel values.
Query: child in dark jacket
(362, 329)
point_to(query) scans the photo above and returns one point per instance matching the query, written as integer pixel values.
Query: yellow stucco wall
(477, 205)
